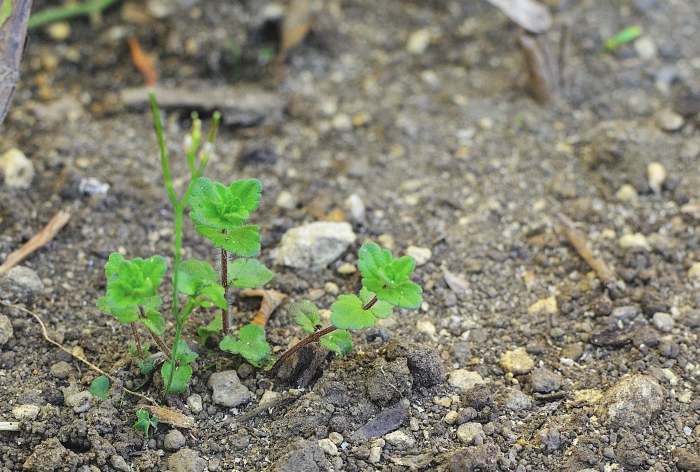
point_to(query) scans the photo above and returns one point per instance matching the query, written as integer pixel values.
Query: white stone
(645, 47)
(544, 306)
(400, 440)
(314, 245)
(627, 193)
(336, 437)
(419, 41)
(227, 389)
(17, 169)
(420, 254)
(286, 200)
(356, 208)
(346, 268)
(517, 361)
(268, 397)
(464, 379)
(375, 454)
(656, 174)
(426, 327)
(25, 412)
(634, 241)
(194, 402)
(468, 432)
(451, 417)
(328, 447)
(663, 321)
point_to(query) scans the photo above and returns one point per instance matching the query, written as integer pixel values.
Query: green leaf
(5, 11)
(242, 241)
(625, 36)
(146, 366)
(130, 284)
(380, 309)
(338, 341)
(145, 422)
(198, 280)
(99, 387)
(389, 278)
(213, 327)
(184, 354)
(251, 344)
(181, 377)
(223, 208)
(155, 322)
(248, 273)
(306, 315)
(347, 313)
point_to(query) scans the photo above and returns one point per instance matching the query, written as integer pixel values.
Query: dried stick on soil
(143, 62)
(92, 366)
(9, 425)
(46, 234)
(578, 241)
(271, 299)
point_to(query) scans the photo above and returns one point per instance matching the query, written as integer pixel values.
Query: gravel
(227, 389)
(314, 245)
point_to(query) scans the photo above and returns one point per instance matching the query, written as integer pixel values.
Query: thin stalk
(313, 337)
(225, 318)
(179, 318)
(164, 155)
(156, 339)
(49, 15)
(137, 339)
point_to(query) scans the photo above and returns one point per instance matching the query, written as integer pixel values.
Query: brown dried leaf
(171, 416)
(271, 299)
(296, 25)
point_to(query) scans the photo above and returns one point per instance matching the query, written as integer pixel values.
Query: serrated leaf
(181, 377)
(347, 313)
(215, 326)
(199, 280)
(242, 241)
(389, 278)
(99, 387)
(144, 422)
(249, 273)
(338, 341)
(184, 354)
(130, 284)
(251, 344)
(155, 322)
(306, 315)
(380, 309)
(223, 208)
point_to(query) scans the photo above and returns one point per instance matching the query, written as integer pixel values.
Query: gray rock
(463, 379)
(387, 420)
(227, 389)
(119, 463)
(174, 440)
(517, 361)
(469, 432)
(80, 401)
(186, 460)
(51, 455)
(304, 456)
(314, 245)
(25, 412)
(356, 207)
(632, 402)
(550, 438)
(663, 321)
(61, 370)
(389, 381)
(194, 402)
(6, 331)
(515, 400)
(544, 380)
(20, 284)
(483, 458)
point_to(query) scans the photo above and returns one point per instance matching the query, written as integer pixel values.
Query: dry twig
(40, 239)
(578, 241)
(143, 62)
(271, 299)
(92, 366)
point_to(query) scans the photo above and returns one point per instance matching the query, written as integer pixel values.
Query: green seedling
(99, 387)
(5, 11)
(145, 421)
(133, 285)
(68, 11)
(386, 284)
(625, 36)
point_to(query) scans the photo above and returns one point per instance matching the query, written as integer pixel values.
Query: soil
(447, 151)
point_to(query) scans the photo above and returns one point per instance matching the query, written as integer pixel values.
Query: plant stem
(313, 337)
(49, 15)
(179, 318)
(156, 339)
(137, 339)
(225, 318)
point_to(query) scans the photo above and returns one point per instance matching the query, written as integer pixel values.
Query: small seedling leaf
(338, 341)
(306, 315)
(99, 387)
(347, 313)
(130, 284)
(155, 322)
(249, 273)
(145, 422)
(242, 241)
(380, 309)
(184, 354)
(198, 280)
(625, 36)
(389, 278)
(251, 344)
(213, 327)
(181, 377)
(223, 208)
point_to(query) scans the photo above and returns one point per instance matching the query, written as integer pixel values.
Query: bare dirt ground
(520, 358)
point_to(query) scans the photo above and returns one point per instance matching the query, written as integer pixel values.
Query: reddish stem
(313, 337)
(225, 319)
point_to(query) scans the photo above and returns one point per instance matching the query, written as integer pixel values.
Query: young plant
(132, 294)
(144, 422)
(386, 283)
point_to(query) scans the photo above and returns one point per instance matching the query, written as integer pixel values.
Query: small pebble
(627, 193)
(419, 41)
(59, 30)
(544, 306)
(61, 370)
(25, 412)
(194, 402)
(269, 397)
(656, 175)
(517, 361)
(346, 268)
(328, 447)
(426, 327)
(464, 379)
(634, 241)
(400, 440)
(174, 440)
(420, 254)
(17, 169)
(451, 417)
(356, 208)
(337, 438)
(468, 432)
(694, 271)
(375, 454)
(663, 321)
(669, 120)
(286, 200)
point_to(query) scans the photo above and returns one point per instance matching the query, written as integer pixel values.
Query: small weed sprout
(145, 421)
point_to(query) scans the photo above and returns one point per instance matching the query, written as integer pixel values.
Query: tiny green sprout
(145, 421)
(386, 283)
(251, 344)
(182, 372)
(625, 36)
(99, 387)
